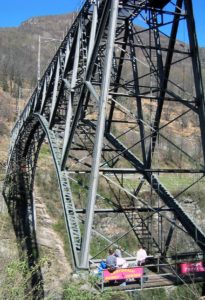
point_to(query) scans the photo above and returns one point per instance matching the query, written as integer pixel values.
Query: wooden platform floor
(154, 280)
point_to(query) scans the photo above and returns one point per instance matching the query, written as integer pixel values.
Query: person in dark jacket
(111, 260)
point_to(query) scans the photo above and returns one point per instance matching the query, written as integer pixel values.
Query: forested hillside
(19, 52)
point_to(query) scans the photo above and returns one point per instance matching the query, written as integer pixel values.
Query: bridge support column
(99, 135)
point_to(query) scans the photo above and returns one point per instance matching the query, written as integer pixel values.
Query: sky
(13, 12)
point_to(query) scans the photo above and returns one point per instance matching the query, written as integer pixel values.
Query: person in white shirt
(141, 256)
(118, 252)
(121, 262)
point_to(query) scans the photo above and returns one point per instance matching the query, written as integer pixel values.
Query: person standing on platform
(141, 259)
(141, 256)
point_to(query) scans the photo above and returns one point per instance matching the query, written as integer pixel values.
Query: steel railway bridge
(113, 107)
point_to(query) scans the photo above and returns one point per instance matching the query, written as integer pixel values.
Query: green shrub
(76, 291)
(16, 282)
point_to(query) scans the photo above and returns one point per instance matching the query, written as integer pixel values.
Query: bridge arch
(20, 187)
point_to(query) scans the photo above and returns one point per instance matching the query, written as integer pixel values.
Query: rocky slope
(57, 270)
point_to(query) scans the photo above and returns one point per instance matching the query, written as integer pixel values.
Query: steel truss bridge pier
(113, 106)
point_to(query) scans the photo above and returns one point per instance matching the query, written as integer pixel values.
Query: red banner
(122, 274)
(191, 267)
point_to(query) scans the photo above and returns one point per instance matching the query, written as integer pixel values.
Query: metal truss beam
(115, 118)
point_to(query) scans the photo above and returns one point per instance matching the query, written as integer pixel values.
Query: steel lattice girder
(110, 79)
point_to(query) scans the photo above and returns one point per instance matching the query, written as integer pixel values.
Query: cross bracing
(114, 106)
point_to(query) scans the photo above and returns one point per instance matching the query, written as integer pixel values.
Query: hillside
(19, 51)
